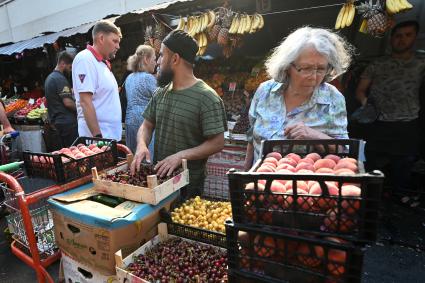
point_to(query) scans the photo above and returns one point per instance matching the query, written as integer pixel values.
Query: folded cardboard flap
(95, 208)
(80, 195)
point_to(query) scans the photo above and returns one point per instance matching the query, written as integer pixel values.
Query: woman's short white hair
(336, 49)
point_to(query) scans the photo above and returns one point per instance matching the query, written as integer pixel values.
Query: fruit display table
(30, 138)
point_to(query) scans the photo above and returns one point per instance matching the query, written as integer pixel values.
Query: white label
(31, 101)
(25, 89)
(42, 106)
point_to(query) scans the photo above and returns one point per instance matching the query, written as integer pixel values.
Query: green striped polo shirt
(184, 119)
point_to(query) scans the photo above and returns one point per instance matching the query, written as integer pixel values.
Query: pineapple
(158, 34)
(378, 21)
(149, 39)
(223, 37)
(213, 33)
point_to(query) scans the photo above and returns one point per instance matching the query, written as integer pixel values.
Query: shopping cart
(30, 220)
(8, 148)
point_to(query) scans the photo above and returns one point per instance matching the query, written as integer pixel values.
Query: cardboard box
(153, 194)
(91, 232)
(75, 272)
(123, 261)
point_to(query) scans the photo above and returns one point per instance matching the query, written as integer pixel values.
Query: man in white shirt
(95, 87)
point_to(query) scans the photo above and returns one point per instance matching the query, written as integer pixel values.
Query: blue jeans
(131, 139)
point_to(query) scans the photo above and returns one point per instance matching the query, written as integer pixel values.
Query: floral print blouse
(325, 112)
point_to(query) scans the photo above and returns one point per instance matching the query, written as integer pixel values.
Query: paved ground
(399, 255)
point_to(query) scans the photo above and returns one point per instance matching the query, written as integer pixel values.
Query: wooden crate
(125, 276)
(153, 194)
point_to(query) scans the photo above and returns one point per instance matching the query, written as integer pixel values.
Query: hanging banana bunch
(346, 15)
(397, 6)
(244, 24)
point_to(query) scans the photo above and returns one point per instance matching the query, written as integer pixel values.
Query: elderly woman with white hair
(297, 102)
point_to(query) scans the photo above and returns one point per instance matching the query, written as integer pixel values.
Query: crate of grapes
(168, 258)
(145, 186)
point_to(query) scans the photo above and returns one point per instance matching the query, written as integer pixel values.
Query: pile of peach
(309, 195)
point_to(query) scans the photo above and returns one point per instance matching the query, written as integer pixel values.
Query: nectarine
(293, 156)
(314, 156)
(324, 163)
(334, 157)
(289, 161)
(275, 154)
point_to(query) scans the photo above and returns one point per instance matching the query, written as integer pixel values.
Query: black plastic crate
(271, 255)
(195, 233)
(256, 201)
(63, 168)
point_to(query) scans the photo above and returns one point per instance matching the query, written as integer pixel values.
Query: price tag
(31, 101)
(42, 106)
(25, 89)
(232, 86)
(15, 89)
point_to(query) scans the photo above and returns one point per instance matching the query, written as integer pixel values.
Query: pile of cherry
(139, 178)
(180, 261)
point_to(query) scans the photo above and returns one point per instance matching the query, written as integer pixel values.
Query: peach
(278, 187)
(325, 170)
(305, 171)
(302, 201)
(311, 183)
(350, 206)
(325, 202)
(285, 166)
(308, 256)
(293, 156)
(352, 160)
(73, 148)
(273, 165)
(304, 165)
(56, 152)
(275, 154)
(93, 145)
(251, 187)
(289, 161)
(306, 160)
(344, 171)
(314, 156)
(265, 169)
(324, 163)
(346, 164)
(264, 246)
(335, 222)
(301, 185)
(336, 258)
(271, 160)
(284, 171)
(334, 157)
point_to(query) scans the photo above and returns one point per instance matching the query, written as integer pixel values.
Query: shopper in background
(7, 128)
(139, 87)
(60, 100)
(95, 87)
(187, 115)
(393, 83)
(298, 103)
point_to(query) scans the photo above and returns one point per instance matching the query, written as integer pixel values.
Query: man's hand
(167, 166)
(8, 129)
(142, 153)
(299, 131)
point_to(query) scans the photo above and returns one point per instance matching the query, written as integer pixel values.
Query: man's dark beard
(165, 77)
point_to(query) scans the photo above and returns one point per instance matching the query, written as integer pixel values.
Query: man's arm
(212, 145)
(362, 89)
(69, 103)
(7, 128)
(249, 158)
(144, 136)
(89, 113)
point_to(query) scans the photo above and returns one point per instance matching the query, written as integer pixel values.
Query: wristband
(98, 136)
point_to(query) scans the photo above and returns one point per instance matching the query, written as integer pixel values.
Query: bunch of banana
(202, 40)
(397, 6)
(243, 24)
(346, 15)
(36, 113)
(182, 24)
(198, 24)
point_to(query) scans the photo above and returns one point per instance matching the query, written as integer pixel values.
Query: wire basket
(41, 218)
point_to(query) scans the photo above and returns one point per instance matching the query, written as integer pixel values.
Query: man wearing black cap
(187, 115)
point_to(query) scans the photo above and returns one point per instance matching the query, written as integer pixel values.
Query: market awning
(39, 41)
